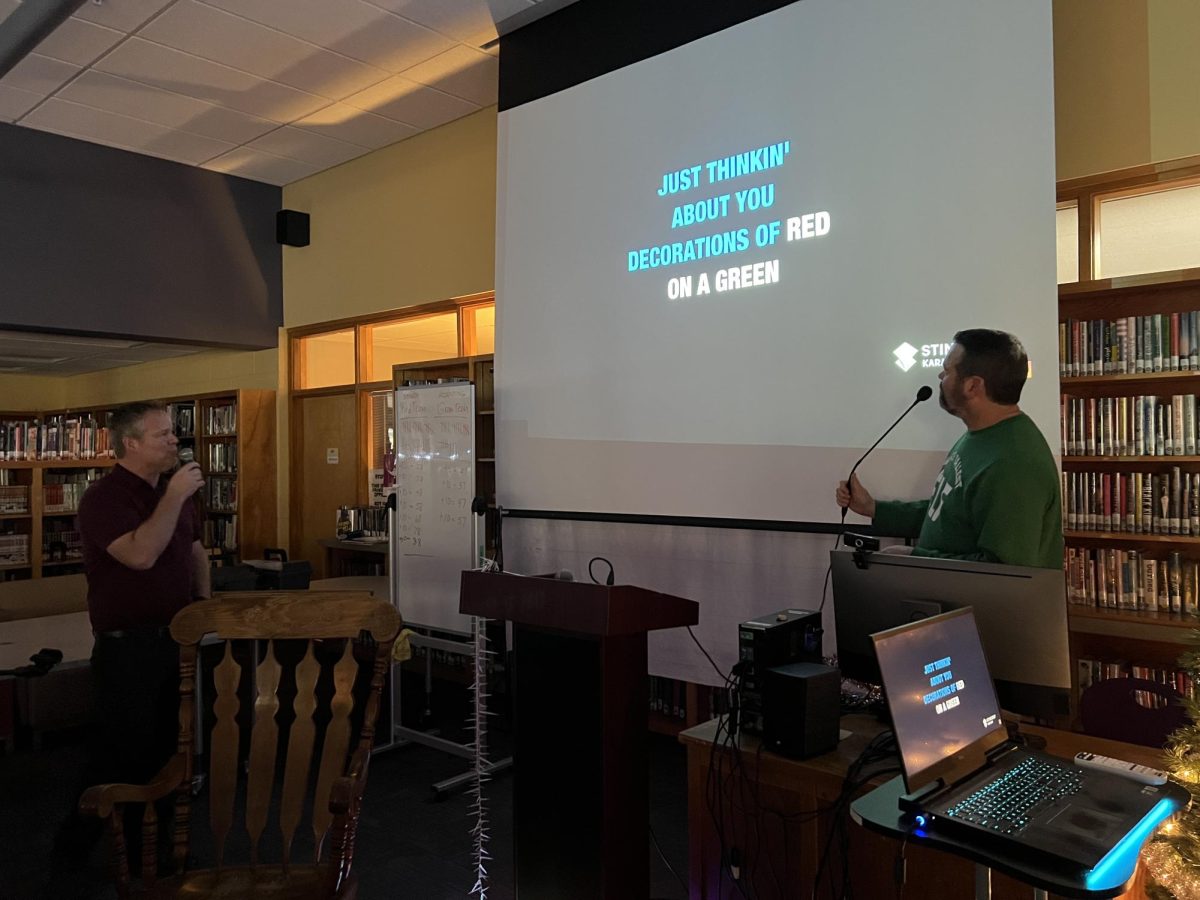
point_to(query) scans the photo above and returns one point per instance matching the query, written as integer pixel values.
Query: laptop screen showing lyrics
(938, 688)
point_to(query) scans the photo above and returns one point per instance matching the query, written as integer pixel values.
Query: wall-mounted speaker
(291, 228)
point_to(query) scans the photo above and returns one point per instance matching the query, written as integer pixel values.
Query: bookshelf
(1131, 470)
(232, 435)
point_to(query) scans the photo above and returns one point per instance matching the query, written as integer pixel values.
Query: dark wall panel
(592, 37)
(102, 241)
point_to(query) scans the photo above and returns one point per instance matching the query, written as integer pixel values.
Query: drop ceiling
(271, 90)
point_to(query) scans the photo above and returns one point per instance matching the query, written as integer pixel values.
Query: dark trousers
(137, 689)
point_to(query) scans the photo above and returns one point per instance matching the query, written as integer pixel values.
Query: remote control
(1144, 774)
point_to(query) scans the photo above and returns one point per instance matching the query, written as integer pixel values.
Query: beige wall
(31, 392)
(408, 224)
(1125, 83)
(182, 376)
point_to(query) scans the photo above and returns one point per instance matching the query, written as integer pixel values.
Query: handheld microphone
(924, 393)
(186, 455)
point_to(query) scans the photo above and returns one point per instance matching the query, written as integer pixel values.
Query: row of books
(55, 437)
(1130, 426)
(1132, 502)
(463, 662)
(220, 495)
(1109, 578)
(222, 457)
(1159, 342)
(14, 549)
(183, 419)
(61, 542)
(14, 498)
(221, 420)
(1091, 671)
(221, 533)
(63, 490)
(668, 697)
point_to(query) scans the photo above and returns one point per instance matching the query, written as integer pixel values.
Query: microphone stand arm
(854, 468)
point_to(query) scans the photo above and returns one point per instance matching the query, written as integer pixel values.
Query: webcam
(860, 541)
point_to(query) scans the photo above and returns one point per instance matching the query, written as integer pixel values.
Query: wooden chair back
(1111, 709)
(308, 751)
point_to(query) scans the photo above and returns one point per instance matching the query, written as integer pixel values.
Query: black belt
(145, 632)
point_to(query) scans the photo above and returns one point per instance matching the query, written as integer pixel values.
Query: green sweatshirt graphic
(997, 499)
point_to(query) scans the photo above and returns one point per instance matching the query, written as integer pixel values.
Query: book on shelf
(221, 420)
(1112, 578)
(59, 436)
(1145, 425)
(1089, 671)
(1158, 342)
(1162, 503)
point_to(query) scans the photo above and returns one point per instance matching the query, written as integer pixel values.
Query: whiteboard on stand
(432, 532)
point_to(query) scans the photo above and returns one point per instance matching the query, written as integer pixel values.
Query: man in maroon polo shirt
(144, 562)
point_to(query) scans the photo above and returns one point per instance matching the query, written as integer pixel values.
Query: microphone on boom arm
(923, 394)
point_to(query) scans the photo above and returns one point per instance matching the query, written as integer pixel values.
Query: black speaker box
(801, 708)
(291, 228)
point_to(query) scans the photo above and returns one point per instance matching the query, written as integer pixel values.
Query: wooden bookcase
(233, 437)
(1133, 637)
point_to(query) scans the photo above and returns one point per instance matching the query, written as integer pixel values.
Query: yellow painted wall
(1101, 85)
(1174, 79)
(408, 224)
(31, 392)
(1126, 83)
(181, 376)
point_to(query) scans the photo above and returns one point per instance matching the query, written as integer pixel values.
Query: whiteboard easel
(432, 537)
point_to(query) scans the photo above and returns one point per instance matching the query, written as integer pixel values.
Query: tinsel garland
(481, 832)
(1172, 858)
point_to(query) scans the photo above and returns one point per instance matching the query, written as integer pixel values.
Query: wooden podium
(580, 794)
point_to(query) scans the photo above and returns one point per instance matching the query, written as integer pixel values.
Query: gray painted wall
(101, 241)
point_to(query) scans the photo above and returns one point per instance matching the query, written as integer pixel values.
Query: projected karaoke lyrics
(945, 691)
(754, 200)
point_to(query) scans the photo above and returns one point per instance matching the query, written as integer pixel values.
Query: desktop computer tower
(787, 636)
(801, 709)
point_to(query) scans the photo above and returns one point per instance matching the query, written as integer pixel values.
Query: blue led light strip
(1124, 854)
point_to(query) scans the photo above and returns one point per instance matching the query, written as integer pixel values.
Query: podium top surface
(592, 609)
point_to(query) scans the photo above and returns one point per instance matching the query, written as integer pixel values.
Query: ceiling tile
(351, 27)
(15, 102)
(307, 147)
(470, 21)
(260, 166)
(119, 95)
(348, 123)
(79, 42)
(39, 74)
(411, 103)
(122, 131)
(123, 15)
(233, 41)
(463, 72)
(182, 73)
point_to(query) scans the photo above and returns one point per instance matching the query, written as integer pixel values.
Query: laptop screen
(940, 695)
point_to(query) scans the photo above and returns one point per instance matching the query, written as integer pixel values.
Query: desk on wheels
(765, 810)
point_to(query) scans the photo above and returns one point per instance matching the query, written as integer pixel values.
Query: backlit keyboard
(1008, 803)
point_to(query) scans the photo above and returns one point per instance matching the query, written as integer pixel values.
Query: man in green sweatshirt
(997, 498)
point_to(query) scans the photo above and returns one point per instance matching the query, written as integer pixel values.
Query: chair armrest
(100, 799)
(346, 788)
